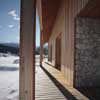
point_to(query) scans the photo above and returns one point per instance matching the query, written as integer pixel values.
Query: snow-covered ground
(9, 77)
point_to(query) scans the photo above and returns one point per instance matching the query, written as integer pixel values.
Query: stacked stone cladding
(87, 52)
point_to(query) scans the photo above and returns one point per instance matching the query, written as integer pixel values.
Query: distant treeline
(45, 50)
(15, 50)
(8, 49)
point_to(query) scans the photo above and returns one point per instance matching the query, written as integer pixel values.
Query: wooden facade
(57, 17)
(61, 18)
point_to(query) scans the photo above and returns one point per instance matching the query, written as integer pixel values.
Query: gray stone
(87, 49)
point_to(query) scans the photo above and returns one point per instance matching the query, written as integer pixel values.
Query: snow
(9, 77)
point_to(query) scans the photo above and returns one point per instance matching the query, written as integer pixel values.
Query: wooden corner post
(27, 50)
(41, 48)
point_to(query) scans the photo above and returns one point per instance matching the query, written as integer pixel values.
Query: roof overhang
(47, 11)
(92, 9)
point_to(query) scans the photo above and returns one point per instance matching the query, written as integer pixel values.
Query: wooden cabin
(72, 30)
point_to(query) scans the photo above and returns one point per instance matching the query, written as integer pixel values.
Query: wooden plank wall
(65, 24)
(74, 7)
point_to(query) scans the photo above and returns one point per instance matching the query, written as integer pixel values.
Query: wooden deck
(70, 92)
(50, 84)
(45, 88)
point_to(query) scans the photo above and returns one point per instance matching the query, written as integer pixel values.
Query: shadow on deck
(91, 93)
(57, 77)
(65, 92)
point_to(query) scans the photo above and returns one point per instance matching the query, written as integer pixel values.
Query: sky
(10, 22)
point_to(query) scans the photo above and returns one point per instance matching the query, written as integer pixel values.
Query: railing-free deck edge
(58, 77)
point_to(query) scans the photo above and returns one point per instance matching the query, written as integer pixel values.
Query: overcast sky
(10, 22)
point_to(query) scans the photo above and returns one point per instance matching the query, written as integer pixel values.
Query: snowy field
(9, 77)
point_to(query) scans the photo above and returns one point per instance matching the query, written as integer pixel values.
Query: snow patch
(9, 77)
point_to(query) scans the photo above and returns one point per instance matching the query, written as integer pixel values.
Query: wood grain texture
(27, 50)
(45, 88)
(60, 78)
(65, 24)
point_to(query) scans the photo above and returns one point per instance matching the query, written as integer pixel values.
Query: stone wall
(87, 52)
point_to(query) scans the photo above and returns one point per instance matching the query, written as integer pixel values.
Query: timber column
(27, 50)
(41, 48)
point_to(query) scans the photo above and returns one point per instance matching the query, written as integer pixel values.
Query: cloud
(9, 41)
(16, 18)
(14, 14)
(10, 26)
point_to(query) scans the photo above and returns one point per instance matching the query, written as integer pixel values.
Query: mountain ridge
(16, 45)
(7, 48)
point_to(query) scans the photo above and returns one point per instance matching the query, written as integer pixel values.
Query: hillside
(13, 48)
(10, 49)
(16, 45)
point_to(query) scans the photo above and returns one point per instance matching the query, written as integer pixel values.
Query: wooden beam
(27, 50)
(92, 9)
(41, 48)
(49, 14)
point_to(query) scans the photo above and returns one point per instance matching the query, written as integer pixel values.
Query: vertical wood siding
(65, 24)
(74, 7)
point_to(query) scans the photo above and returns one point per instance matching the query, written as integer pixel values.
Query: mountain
(14, 48)
(16, 45)
(11, 48)
(45, 50)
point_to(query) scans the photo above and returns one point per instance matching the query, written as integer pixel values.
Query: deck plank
(60, 78)
(45, 88)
